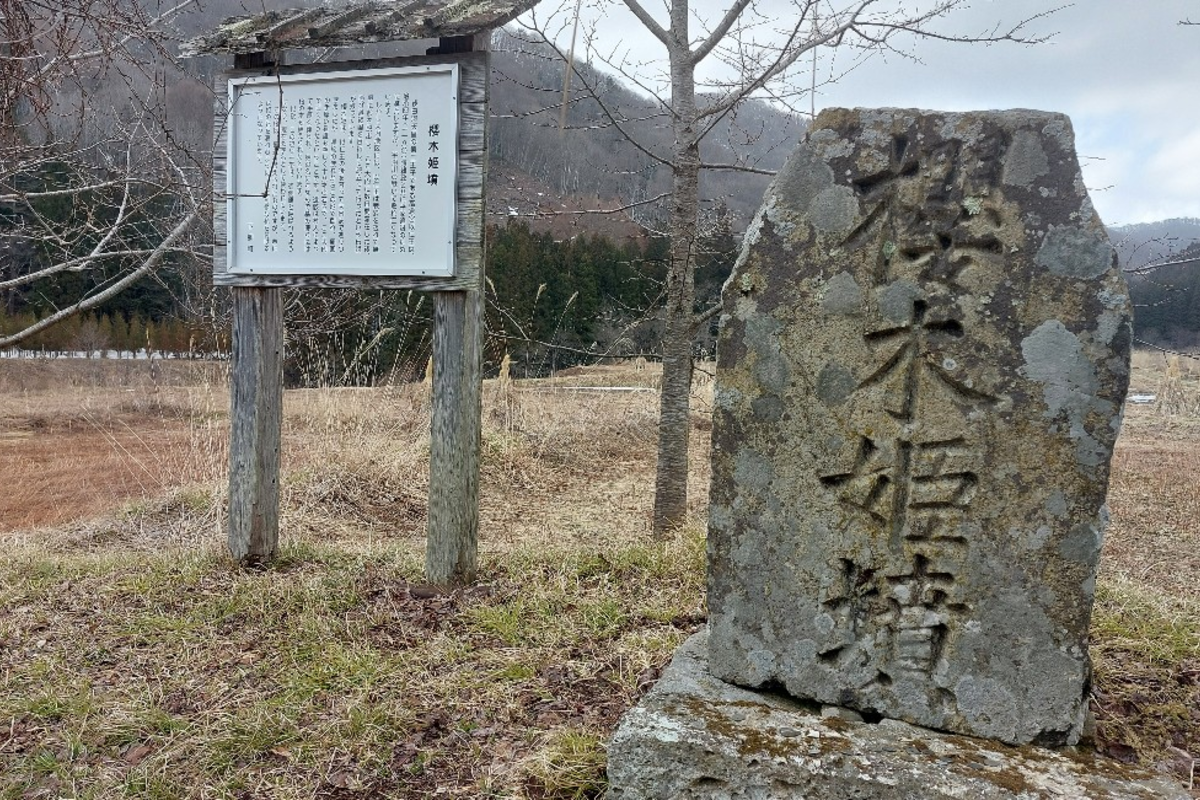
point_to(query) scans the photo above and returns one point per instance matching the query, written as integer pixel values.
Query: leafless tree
(93, 179)
(756, 49)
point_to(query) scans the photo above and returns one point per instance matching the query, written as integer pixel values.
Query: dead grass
(75, 444)
(332, 675)
(135, 661)
(1146, 625)
(1154, 537)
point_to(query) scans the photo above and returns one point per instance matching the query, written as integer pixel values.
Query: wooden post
(453, 533)
(256, 425)
(458, 331)
(452, 542)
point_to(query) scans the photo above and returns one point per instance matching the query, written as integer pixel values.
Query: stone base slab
(694, 737)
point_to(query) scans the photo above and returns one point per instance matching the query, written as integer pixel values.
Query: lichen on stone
(940, 329)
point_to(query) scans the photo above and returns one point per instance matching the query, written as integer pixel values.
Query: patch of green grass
(330, 667)
(249, 734)
(66, 703)
(1142, 620)
(196, 498)
(295, 554)
(325, 668)
(129, 723)
(142, 784)
(568, 766)
(516, 672)
(45, 762)
(1146, 657)
(367, 719)
(604, 618)
(507, 621)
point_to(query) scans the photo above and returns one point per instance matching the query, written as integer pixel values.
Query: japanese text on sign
(344, 173)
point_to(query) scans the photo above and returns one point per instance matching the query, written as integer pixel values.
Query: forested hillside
(565, 285)
(1162, 261)
(1166, 300)
(1149, 242)
(590, 160)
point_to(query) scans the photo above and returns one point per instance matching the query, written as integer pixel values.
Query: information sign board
(343, 173)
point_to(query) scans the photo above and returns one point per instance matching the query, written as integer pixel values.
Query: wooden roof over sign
(363, 22)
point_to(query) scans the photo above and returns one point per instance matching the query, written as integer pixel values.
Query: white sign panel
(344, 173)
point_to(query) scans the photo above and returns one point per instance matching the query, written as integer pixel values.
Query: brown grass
(79, 438)
(1146, 627)
(1154, 537)
(136, 662)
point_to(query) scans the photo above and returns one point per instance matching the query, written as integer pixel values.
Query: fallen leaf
(134, 754)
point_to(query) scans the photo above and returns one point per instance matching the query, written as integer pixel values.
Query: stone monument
(922, 361)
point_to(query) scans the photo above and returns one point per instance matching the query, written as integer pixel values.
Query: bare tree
(757, 52)
(95, 187)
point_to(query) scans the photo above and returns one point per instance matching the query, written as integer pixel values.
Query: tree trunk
(674, 423)
(671, 478)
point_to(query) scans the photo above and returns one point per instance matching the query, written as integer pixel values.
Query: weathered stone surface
(923, 356)
(696, 737)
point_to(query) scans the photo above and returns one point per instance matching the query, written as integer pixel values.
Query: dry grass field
(137, 662)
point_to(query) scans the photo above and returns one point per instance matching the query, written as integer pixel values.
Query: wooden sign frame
(343, 173)
(472, 70)
(258, 338)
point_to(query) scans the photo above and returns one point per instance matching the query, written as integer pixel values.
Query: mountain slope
(592, 158)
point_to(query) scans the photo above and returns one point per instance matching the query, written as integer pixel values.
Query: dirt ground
(81, 437)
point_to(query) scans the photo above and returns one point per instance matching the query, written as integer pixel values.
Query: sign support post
(392, 199)
(453, 532)
(256, 421)
(256, 411)
(452, 535)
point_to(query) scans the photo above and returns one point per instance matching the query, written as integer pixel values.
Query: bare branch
(609, 352)
(786, 56)
(608, 112)
(585, 212)
(739, 168)
(1167, 350)
(651, 24)
(719, 31)
(1151, 267)
(29, 197)
(93, 179)
(80, 264)
(147, 266)
(916, 27)
(707, 314)
(105, 51)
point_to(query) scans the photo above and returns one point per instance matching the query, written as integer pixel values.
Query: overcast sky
(1125, 71)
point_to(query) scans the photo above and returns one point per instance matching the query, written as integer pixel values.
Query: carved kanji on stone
(920, 370)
